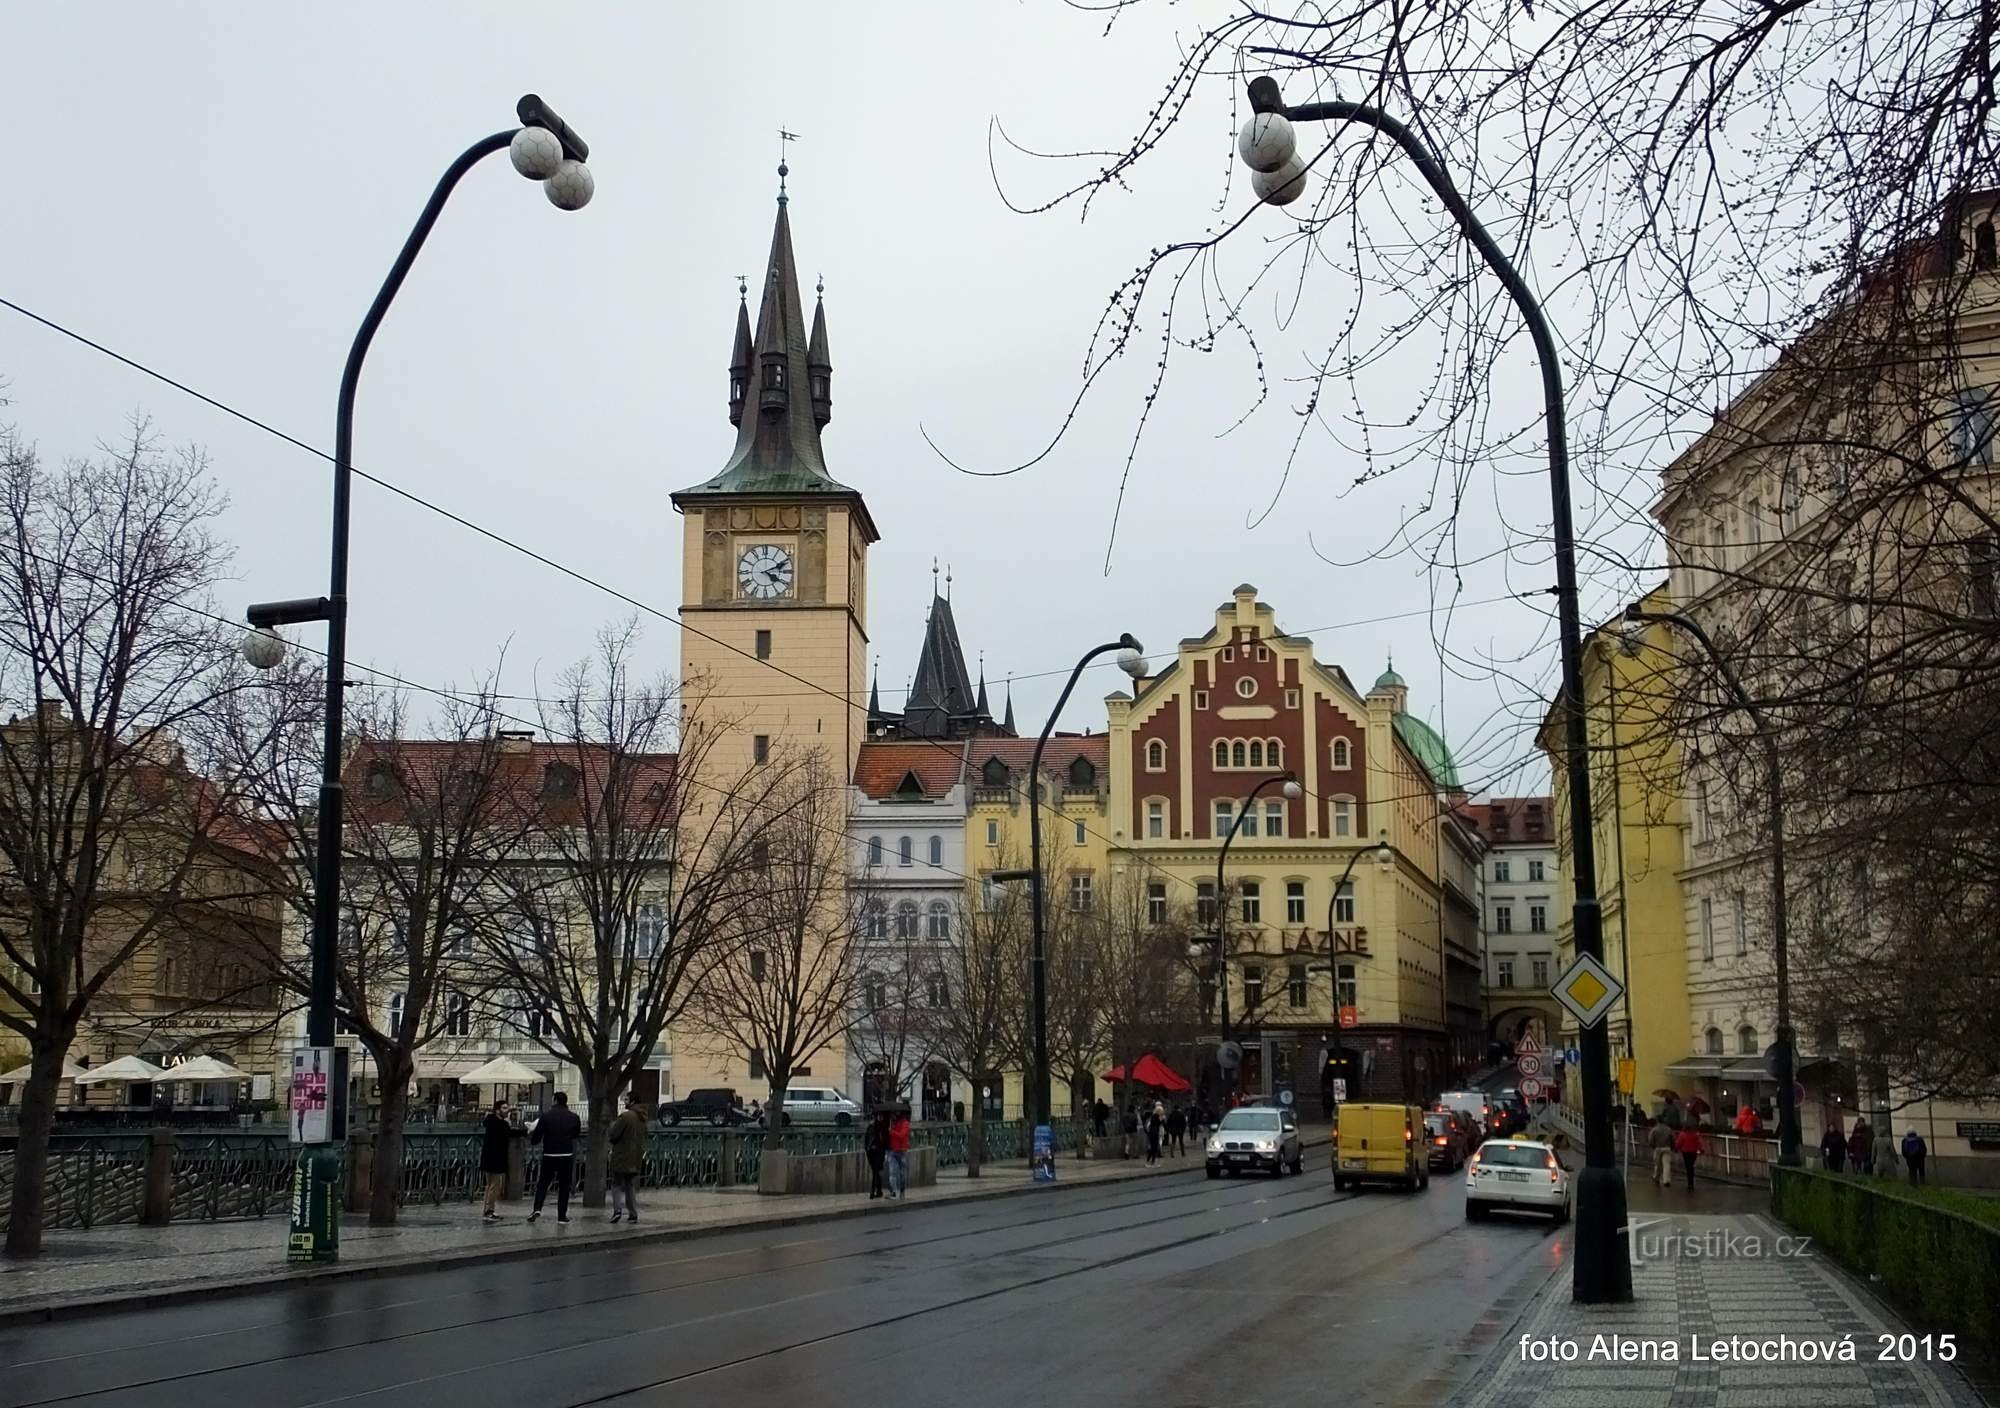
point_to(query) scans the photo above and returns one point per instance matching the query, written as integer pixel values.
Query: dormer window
(558, 780)
(993, 773)
(909, 786)
(1082, 774)
(381, 780)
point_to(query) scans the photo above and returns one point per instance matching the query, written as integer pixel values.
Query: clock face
(764, 571)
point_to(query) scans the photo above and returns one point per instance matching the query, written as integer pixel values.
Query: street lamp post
(1132, 660)
(544, 149)
(1385, 855)
(1268, 146)
(1785, 1058)
(1289, 785)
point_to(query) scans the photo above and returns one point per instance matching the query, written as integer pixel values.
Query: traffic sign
(1527, 1045)
(1285, 1098)
(1229, 1055)
(1572, 1056)
(1339, 1090)
(1586, 990)
(1628, 1071)
(1531, 1089)
(1530, 1065)
(1350, 1016)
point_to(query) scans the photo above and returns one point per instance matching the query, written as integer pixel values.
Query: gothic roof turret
(819, 362)
(740, 357)
(1008, 722)
(777, 448)
(941, 695)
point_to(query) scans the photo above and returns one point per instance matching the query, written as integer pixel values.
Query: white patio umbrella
(19, 1075)
(205, 1068)
(503, 1070)
(125, 1068)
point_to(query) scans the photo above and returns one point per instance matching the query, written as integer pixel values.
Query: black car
(718, 1106)
(1448, 1138)
(1508, 1119)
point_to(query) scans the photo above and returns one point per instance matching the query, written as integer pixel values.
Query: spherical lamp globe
(1283, 186)
(1267, 141)
(536, 153)
(263, 647)
(571, 187)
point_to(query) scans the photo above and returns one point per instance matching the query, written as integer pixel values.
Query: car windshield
(1434, 1124)
(1513, 1155)
(1250, 1119)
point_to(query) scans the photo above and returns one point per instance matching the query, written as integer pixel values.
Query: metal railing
(92, 1181)
(221, 1177)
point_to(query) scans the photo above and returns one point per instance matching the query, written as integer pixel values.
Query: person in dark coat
(1129, 1128)
(1687, 1143)
(1156, 1128)
(495, 1134)
(1832, 1149)
(1100, 1118)
(1915, 1151)
(626, 1158)
(875, 1145)
(1177, 1130)
(556, 1133)
(1861, 1147)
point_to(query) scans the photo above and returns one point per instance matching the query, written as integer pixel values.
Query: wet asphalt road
(1164, 1292)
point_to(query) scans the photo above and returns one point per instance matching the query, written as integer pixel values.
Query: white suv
(819, 1104)
(1517, 1173)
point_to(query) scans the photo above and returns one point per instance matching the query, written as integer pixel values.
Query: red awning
(1150, 1070)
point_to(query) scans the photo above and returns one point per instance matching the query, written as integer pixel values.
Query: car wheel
(1214, 1172)
(843, 1120)
(1474, 1212)
(717, 1118)
(673, 1117)
(1424, 1183)
(1562, 1214)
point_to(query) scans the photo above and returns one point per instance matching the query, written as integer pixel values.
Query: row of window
(1538, 917)
(1081, 775)
(1250, 902)
(906, 848)
(1234, 753)
(875, 991)
(1503, 872)
(1746, 1041)
(936, 920)
(1346, 989)
(1503, 971)
(993, 832)
(1739, 903)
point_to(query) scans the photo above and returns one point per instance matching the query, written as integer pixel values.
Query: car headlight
(1214, 1144)
(1267, 1146)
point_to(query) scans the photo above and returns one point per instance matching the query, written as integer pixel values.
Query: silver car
(819, 1104)
(1256, 1137)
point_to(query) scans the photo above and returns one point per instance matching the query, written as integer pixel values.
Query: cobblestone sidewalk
(1714, 1283)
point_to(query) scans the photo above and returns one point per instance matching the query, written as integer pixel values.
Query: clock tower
(775, 550)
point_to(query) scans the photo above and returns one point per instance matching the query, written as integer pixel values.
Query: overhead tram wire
(492, 535)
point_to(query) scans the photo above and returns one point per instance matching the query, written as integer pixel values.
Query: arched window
(1714, 1041)
(904, 853)
(1238, 754)
(937, 850)
(1341, 753)
(1256, 752)
(874, 850)
(395, 1014)
(1746, 1040)
(906, 920)
(1156, 756)
(875, 920)
(1221, 753)
(1274, 753)
(940, 920)
(1082, 773)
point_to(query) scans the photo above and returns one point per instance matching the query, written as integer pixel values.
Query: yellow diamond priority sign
(1587, 990)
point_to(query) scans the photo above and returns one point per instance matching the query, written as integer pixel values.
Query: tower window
(763, 645)
(774, 374)
(760, 747)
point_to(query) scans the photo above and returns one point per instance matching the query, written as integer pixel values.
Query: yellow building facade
(1637, 833)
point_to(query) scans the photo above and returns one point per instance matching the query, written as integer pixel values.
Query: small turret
(819, 362)
(739, 356)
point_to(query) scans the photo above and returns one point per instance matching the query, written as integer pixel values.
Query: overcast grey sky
(217, 191)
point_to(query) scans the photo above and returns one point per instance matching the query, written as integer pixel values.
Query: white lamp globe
(263, 647)
(1292, 791)
(571, 187)
(1132, 663)
(536, 153)
(1283, 186)
(1267, 141)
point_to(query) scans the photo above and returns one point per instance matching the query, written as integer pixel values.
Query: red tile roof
(1063, 750)
(1511, 820)
(882, 766)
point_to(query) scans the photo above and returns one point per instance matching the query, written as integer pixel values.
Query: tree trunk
(774, 1116)
(31, 1150)
(386, 1179)
(975, 1145)
(597, 1148)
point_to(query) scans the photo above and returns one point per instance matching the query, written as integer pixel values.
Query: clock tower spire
(774, 548)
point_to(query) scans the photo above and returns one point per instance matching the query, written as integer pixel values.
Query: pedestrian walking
(1156, 1127)
(1883, 1158)
(1100, 1118)
(627, 1156)
(1129, 1129)
(556, 1133)
(1861, 1146)
(495, 1133)
(1915, 1151)
(899, 1153)
(1687, 1143)
(1661, 1141)
(1177, 1131)
(875, 1146)
(1832, 1149)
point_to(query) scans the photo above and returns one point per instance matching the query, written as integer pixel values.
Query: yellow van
(1382, 1143)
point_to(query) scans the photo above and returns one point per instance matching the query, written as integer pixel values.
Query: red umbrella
(1150, 1070)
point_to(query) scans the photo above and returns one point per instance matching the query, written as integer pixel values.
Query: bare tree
(893, 1027)
(981, 1023)
(1153, 993)
(629, 878)
(785, 984)
(431, 826)
(110, 655)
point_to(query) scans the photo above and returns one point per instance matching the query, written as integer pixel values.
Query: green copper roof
(1389, 679)
(1431, 750)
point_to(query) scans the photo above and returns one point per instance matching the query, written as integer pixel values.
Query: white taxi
(1524, 1174)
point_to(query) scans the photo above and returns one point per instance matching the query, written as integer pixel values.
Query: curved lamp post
(1288, 784)
(1269, 147)
(1785, 1056)
(544, 149)
(1132, 660)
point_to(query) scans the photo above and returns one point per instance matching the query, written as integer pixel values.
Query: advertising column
(318, 1126)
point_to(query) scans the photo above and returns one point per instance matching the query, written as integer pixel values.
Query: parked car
(717, 1106)
(1474, 1105)
(1522, 1174)
(819, 1104)
(1256, 1137)
(1378, 1143)
(1507, 1117)
(1448, 1138)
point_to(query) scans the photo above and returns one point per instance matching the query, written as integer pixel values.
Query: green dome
(1389, 679)
(1430, 749)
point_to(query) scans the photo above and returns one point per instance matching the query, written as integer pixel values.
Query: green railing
(439, 1168)
(220, 1177)
(92, 1181)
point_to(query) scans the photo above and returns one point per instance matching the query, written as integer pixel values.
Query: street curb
(159, 1298)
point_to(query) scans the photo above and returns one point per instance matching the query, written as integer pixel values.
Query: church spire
(1008, 722)
(980, 707)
